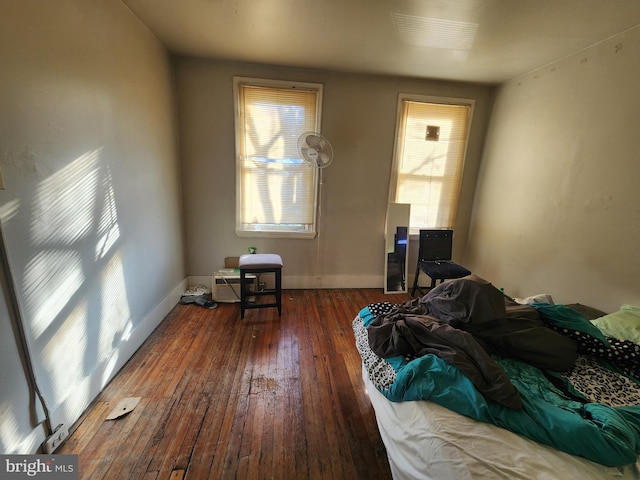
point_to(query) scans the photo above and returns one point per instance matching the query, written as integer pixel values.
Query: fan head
(315, 149)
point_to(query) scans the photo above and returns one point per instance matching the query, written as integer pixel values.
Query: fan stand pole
(319, 229)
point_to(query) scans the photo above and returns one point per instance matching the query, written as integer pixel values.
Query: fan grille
(315, 149)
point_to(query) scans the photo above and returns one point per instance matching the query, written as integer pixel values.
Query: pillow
(590, 313)
(539, 298)
(623, 324)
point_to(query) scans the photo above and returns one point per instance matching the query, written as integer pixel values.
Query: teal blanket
(604, 434)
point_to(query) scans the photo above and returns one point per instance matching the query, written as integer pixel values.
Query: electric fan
(315, 149)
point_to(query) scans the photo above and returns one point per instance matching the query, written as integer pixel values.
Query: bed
(467, 383)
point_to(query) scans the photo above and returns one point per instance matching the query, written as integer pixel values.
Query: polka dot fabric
(622, 354)
(378, 309)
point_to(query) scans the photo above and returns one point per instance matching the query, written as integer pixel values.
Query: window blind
(277, 189)
(430, 150)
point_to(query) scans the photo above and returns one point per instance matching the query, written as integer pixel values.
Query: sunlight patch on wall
(115, 314)
(107, 229)
(64, 203)
(75, 296)
(65, 354)
(63, 215)
(9, 210)
(51, 278)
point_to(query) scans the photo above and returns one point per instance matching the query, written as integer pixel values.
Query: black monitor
(436, 244)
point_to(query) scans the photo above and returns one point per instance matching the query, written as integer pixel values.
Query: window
(431, 139)
(276, 191)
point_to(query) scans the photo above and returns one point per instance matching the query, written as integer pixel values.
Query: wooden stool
(260, 263)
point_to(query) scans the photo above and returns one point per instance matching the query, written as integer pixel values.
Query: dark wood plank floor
(266, 397)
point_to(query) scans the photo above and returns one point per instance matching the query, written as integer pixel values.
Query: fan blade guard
(315, 149)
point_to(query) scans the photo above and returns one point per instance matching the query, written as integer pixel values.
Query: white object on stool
(260, 260)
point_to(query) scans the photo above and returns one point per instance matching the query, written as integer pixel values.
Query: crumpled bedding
(464, 322)
(415, 336)
(429, 353)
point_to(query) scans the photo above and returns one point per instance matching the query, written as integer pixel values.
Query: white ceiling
(486, 41)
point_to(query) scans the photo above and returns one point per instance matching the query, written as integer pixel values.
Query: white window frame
(393, 183)
(244, 229)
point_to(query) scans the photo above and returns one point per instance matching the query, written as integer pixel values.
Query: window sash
(276, 189)
(427, 173)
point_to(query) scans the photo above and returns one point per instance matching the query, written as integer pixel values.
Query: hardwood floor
(266, 397)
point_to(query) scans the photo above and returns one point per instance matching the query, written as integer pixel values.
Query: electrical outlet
(59, 435)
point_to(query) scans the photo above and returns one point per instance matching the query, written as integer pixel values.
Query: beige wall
(91, 212)
(558, 205)
(359, 115)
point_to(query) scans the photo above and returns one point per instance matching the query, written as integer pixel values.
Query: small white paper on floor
(123, 407)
